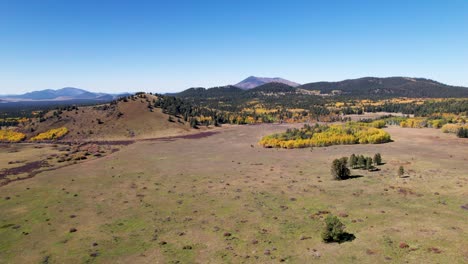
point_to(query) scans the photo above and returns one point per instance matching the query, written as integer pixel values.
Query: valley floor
(224, 199)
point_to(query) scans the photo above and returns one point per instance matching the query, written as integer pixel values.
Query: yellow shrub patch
(51, 134)
(8, 135)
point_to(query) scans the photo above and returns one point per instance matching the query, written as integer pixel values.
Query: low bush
(52, 134)
(8, 135)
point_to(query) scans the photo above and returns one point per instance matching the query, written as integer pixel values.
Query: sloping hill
(252, 82)
(273, 87)
(221, 91)
(132, 118)
(388, 87)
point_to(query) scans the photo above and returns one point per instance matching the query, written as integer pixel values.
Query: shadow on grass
(346, 237)
(352, 177)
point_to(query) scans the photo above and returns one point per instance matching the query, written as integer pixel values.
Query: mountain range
(367, 87)
(64, 94)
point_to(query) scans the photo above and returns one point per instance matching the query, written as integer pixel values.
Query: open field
(224, 199)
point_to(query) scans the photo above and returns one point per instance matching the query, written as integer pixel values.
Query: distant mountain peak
(253, 81)
(63, 94)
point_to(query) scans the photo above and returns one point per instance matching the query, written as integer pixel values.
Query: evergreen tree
(462, 132)
(368, 163)
(361, 162)
(353, 161)
(193, 123)
(339, 169)
(377, 159)
(333, 230)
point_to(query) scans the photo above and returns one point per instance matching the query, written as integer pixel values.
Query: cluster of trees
(8, 135)
(51, 134)
(326, 135)
(454, 106)
(340, 170)
(273, 96)
(444, 124)
(364, 163)
(8, 122)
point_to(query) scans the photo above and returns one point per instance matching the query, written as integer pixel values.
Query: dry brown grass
(165, 201)
(123, 121)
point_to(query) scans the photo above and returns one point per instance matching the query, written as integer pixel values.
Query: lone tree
(333, 230)
(377, 159)
(353, 161)
(339, 169)
(401, 171)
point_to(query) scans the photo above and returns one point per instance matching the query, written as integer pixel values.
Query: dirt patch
(189, 136)
(26, 168)
(29, 168)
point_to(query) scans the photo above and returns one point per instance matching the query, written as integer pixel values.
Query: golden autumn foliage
(453, 128)
(414, 123)
(51, 134)
(7, 135)
(320, 136)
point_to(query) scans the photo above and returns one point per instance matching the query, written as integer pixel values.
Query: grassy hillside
(123, 119)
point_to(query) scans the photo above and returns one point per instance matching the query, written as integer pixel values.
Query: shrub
(8, 135)
(401, 171)
(52, 134)
(333, 230)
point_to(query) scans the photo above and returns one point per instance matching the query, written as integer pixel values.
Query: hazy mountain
(252, 82)
(64, 94)
(387, 87)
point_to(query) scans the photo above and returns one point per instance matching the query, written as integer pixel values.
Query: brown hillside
(129, 119)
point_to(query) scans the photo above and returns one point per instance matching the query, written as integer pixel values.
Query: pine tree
(462, 132)
(353, 161)
(333, 230)
(368, 163)
(193, 123)
(377, 159)
(339, 169)
(361, 162)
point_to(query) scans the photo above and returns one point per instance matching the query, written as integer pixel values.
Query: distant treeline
(453, 106)
(29, 109)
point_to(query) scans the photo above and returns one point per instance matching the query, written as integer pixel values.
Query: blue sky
(167, 46)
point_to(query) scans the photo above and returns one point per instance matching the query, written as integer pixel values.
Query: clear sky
(167, 46)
